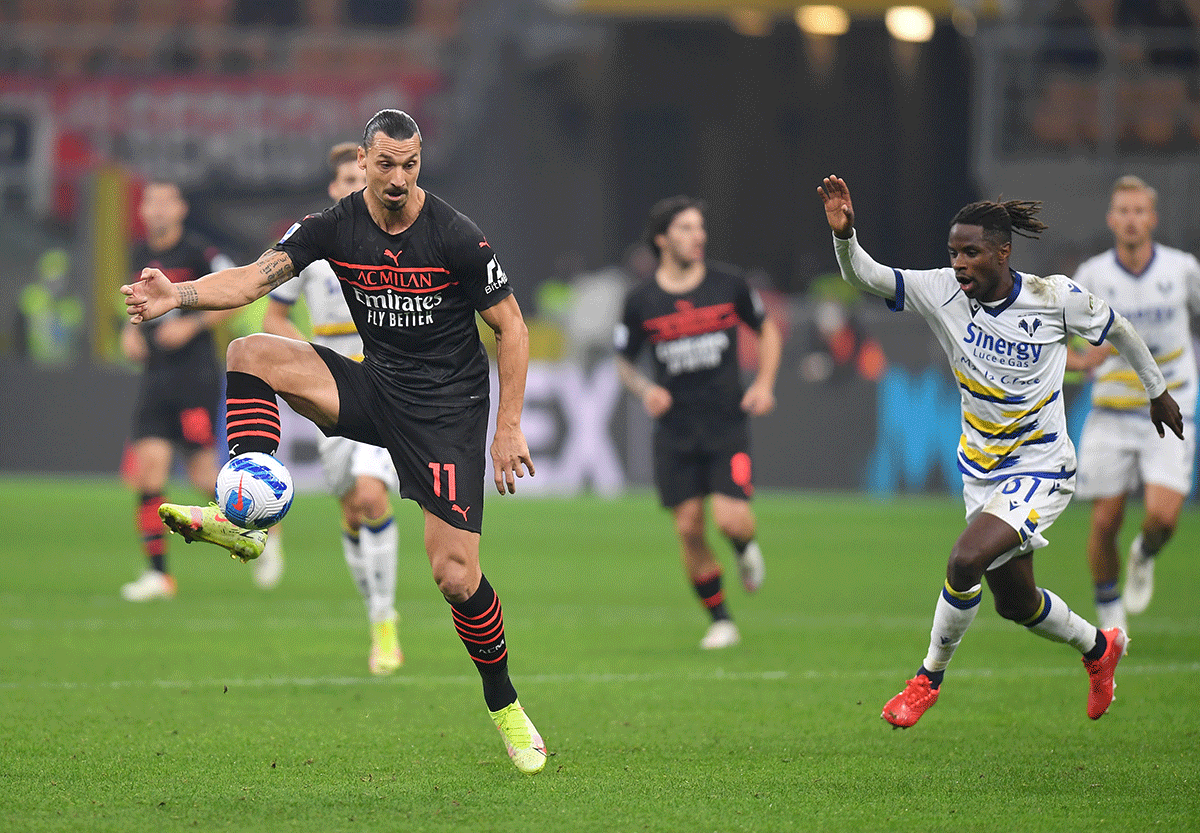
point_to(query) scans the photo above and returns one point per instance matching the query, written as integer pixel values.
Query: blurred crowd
(51, 38)
(1119, 72)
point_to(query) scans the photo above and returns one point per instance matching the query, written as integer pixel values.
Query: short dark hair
(395, 124)
(341, 153)
(1000, 219)
(663, 214)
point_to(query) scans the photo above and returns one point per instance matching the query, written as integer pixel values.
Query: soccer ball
(254, 490)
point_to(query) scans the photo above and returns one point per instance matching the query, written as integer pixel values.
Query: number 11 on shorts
(437, 469)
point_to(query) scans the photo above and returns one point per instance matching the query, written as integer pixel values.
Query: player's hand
(839, 211)
(149, 297)
(758, 400)
(1164, 410)
(657, 400)
(509, 453)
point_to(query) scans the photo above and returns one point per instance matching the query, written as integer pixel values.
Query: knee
(454, 586)
(370, 500)
(966, 566)
(1159, 525)
(243, 353)
(690, 527)
(736, 525)
(453, 577)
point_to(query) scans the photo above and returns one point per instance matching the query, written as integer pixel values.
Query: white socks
(954, 613)
(1058, 623)
(371, 558)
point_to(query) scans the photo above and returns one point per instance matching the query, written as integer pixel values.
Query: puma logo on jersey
(394, 257)
(460, 510)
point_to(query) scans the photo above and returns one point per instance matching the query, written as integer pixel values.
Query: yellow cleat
(206, 523)
(525, 746)
(386, 655)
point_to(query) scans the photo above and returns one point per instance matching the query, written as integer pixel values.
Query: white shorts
(1027, 503)
(1117, 452)
(343, 461)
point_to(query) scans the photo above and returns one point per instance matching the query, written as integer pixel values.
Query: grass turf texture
(232, 708)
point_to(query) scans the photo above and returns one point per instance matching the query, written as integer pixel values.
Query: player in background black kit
(687, 316)
(177, 399)
(414, 273)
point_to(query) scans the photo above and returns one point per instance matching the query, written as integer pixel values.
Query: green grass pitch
(236, 709)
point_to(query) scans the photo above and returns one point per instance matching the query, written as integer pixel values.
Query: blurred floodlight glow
(909, 23)
(830, 21)
(749, 22)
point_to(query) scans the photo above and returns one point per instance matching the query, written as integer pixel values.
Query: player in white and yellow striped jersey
(1005, 335)
(359, 475)
(1156, 288)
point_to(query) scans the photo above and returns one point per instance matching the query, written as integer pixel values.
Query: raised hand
(839, 211)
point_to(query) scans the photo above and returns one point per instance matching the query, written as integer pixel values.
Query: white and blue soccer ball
(254, 490)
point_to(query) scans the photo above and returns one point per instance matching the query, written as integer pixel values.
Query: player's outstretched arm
(154, 294)
(859, 269)
(509, 450)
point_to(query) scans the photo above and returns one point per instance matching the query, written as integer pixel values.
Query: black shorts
(182, 409)
(439, 452)
(696, 460)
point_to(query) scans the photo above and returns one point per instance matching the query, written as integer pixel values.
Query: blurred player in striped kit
(1154, 287)
(359, 475)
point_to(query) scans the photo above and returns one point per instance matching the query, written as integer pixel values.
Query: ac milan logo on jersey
(1164, 288)
(1030, 324)
(394, 257)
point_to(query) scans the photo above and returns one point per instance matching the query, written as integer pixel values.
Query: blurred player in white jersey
(1154, 287)
(1005, 334)
(359, 475)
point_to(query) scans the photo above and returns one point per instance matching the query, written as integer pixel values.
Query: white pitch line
(1165, 669)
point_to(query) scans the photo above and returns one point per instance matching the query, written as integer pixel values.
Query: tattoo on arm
(276, 267)
(188, 298)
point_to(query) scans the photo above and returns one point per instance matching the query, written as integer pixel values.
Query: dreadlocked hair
(1000, 219)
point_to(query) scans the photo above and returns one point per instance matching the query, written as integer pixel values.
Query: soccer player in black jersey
(687, 315)
(177, 398)
(414, 273)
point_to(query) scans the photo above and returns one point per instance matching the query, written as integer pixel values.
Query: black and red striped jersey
(413, 295)
(192, 257)
(692, 337)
